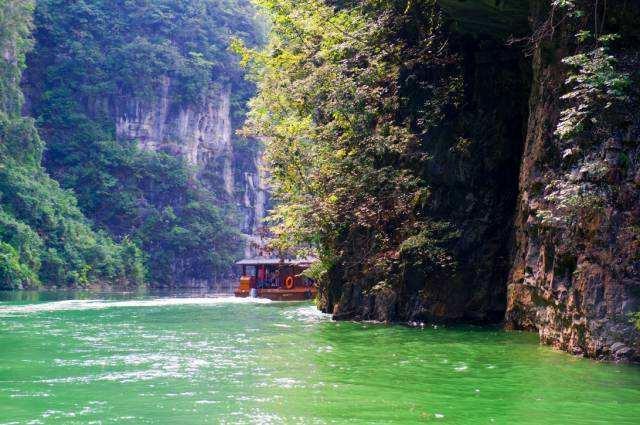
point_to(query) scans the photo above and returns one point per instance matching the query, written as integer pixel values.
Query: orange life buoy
(288, 282)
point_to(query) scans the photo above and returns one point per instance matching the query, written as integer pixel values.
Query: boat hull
(294, 294)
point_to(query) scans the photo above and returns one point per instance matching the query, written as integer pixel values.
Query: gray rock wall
(203, 134)
(576, 271)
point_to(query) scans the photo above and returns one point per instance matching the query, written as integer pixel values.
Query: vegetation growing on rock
(44, 238)
(344, 138)
(575, 250)
(89, 57)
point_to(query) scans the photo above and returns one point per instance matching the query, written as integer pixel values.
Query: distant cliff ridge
(203, 135)
(138, 103)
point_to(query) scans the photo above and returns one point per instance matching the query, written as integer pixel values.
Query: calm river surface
(102, 359)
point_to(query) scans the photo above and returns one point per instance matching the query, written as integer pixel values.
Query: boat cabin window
(249, 270)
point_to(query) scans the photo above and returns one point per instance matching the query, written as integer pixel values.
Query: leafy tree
(346, 122)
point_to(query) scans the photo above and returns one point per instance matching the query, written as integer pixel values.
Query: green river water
(102, 359)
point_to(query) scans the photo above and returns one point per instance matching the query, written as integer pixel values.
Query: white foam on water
(35, 394)
(122, 377)
(76, 305)
(461, 368)
(207, 402)
(308, 314)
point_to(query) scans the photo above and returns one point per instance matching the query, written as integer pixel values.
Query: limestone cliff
(576, 272)
(200, 133)
(204, 134)
(555, 250)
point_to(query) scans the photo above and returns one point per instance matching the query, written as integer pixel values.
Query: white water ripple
(78, 305)
(308, 314)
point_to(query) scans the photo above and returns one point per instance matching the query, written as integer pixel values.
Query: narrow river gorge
(469, 165)
(80, 358)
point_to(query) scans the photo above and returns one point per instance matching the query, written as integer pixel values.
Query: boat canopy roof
(259, 261)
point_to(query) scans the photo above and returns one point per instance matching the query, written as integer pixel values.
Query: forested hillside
(135, 106)
(44, 238)
(95, 65)
(460, 160)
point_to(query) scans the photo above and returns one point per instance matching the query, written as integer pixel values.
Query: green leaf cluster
(635, 319)
(598, 90)
(345, 121)
(596, 87)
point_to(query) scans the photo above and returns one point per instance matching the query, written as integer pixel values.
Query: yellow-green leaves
(341, 148)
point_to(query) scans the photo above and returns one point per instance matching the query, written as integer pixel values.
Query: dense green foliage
(122, 47)
(44, 238)
(599, 91)
(347, 119)
(91, 54)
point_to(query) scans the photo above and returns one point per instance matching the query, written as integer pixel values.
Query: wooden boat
(276, 279)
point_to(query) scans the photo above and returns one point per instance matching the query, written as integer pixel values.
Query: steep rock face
(204, 135)
(200, 133)
(254, 195)
(576, 272)
(473, 176)
(253, 200)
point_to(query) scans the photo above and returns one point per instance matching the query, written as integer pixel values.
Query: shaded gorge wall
(576, 271)
(472, 173)
(546, 220)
